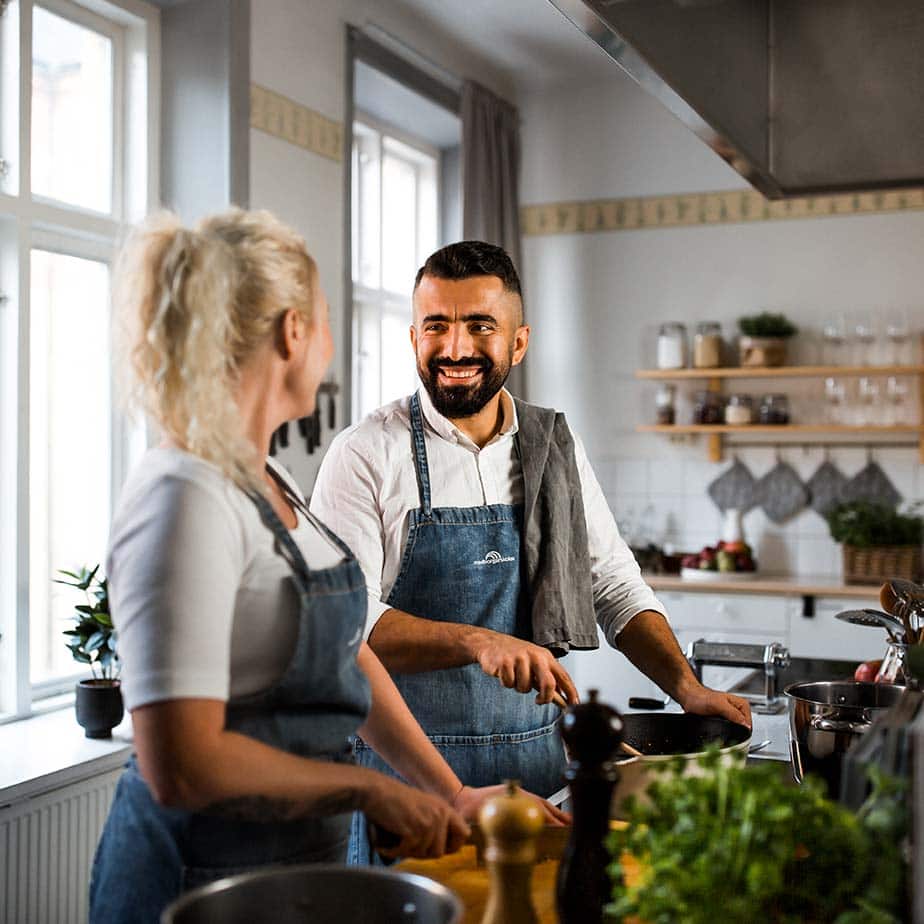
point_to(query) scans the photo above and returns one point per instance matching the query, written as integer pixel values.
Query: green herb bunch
(767, 324)
(741, 844)
(863, 524)
(93, 639)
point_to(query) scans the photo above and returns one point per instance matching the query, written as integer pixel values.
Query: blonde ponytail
(190, 307)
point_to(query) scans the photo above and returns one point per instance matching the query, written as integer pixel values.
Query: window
(76, 100)
(395, 226)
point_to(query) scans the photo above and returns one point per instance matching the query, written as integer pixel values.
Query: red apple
(866, 672)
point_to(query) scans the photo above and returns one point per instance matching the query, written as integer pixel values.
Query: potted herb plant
(879, 543)
(763, 339)
(92, 641)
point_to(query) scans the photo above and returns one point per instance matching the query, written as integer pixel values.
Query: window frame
(383, 301)
(30, 222)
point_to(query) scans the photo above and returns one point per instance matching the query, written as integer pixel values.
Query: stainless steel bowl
(826, 718)
(321, 894)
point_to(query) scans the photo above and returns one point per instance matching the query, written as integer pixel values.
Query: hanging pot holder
(872, 484)
(826, 488)
(781, 493)
(734, 488)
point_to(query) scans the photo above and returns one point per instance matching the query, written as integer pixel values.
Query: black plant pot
(99, 706)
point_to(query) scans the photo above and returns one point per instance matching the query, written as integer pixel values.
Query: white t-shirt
(200, 596)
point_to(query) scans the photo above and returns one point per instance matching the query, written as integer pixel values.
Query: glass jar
(893, 664)
(672, 346)
(707, 345)
(665, 408)
(739, 410)
(707, 407)
(774, 409)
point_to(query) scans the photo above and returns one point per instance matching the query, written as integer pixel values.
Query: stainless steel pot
(321, 894)
(826, 718)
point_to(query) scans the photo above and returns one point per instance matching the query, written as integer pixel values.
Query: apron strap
(289, 549)
(319, 525)
(419, 447)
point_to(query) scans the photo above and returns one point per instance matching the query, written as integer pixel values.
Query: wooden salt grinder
(511, 823)
(592, 733)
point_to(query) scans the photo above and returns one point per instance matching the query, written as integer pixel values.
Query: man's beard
(455, 401)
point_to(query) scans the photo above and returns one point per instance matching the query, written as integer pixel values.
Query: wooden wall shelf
(776, 372)
(715, 433)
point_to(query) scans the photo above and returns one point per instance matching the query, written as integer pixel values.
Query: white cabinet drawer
(751, 613)
(823, 636)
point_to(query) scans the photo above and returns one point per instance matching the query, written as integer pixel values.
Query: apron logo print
(493, 558)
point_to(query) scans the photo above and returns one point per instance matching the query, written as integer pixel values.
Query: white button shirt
(367, 486)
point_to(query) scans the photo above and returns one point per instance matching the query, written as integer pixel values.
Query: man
(486, 542)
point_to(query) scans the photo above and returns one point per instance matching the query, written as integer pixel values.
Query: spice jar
(664, 404)
(672, 346)
(707, 407)
(739, 410)
(774, 409)
(707, 345)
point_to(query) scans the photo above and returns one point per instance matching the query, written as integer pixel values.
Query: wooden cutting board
(468, 878)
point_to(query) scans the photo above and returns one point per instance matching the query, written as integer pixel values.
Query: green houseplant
(878, 541)
(92, 640)
(763, 339)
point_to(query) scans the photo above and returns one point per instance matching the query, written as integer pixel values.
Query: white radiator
(46, 851)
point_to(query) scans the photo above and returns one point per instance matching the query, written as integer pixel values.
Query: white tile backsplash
(665, 496)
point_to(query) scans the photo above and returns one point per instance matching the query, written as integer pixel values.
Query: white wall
(298, 50)
(595, 302)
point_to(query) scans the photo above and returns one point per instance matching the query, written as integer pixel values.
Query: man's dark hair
(465, 259)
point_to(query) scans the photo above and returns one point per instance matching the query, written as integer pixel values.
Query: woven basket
(881, 563)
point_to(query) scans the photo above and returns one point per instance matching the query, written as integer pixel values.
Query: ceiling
(530, 41)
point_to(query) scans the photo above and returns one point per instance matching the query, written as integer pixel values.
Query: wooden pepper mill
(592, 732)
(511, 824)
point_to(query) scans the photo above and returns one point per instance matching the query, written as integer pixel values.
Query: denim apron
(149, 854)
(463, 565)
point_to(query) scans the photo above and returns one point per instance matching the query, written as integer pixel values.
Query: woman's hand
(469, 802)
(426, 825)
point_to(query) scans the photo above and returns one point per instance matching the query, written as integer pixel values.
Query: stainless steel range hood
(800, 96)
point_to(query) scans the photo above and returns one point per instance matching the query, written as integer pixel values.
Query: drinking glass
(834, 338)
(864, 336)
(867, 402)
(898, 331)
(896, 393)
(835, 396)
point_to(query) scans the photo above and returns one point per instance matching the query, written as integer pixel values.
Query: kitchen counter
(779, 584)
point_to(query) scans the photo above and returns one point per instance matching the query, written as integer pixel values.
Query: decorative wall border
(716, 208)
(283, 118)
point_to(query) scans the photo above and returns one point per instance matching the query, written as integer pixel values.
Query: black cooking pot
(660, 736)
(680, 733)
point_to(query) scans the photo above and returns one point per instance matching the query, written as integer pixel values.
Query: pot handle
(819, 723)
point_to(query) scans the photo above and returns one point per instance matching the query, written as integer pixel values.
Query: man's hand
(705, 701)
(522, 666)
(469, 801)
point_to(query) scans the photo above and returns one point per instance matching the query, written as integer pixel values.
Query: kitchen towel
(872, 484)
(734, 488)
(781, 493)
(555, 533)
(826, 488)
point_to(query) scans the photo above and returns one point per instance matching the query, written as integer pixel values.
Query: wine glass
(899, 333)
(867, 402)
(834, 336)
(864, 334)
(834, 396)
(896, 392)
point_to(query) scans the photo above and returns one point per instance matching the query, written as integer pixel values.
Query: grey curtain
(490, 178)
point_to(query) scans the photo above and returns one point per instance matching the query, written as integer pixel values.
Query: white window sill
(48, 751)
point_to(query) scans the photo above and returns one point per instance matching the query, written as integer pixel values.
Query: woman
(240, 616)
